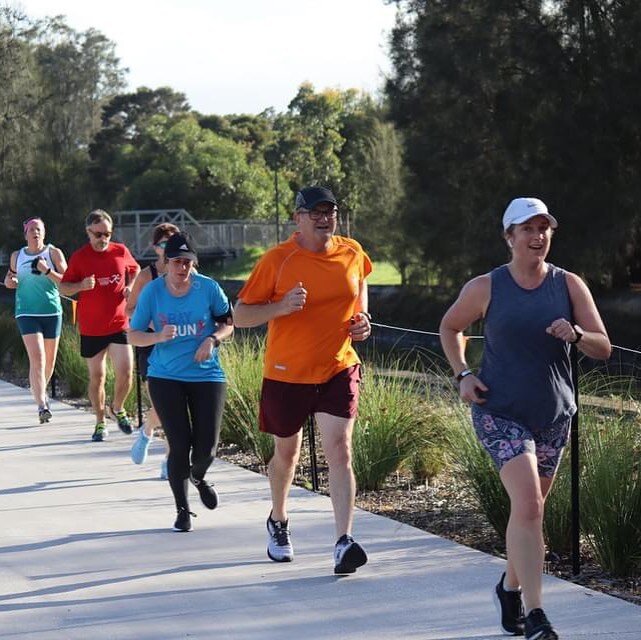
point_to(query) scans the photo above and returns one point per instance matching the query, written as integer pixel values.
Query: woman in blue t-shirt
(190, 315)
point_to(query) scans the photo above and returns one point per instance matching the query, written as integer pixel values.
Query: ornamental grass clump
(13, 355)
(71, 368)
(242, 360)
(611, 490)
(389, 428)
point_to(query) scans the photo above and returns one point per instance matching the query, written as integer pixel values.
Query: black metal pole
(313, 463)
(277, 205)
(53, 384)
(138, 389)
(574, 466)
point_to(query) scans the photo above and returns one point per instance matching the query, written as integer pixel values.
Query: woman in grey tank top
(522, 397)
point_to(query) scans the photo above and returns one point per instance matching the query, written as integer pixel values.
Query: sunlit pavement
(87, 551)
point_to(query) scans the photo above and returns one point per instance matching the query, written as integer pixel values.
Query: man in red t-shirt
(100, 273)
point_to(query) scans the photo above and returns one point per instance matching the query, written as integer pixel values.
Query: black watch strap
(578, 332)
(463, 374)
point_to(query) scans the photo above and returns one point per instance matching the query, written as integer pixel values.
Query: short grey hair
(96, 216)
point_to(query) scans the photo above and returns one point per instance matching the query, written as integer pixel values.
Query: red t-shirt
(101, 311)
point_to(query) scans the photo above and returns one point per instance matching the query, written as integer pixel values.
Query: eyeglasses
(100, 234)
(162, 244)
(317, 214)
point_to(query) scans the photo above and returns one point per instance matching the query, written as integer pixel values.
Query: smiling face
(317, 226)
(530, 239)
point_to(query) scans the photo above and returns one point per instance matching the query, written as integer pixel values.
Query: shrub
(611, 491)
(13, 355)
(389, 428)
(242, 361)
(71, 368)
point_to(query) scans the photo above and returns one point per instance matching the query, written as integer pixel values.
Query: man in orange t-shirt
(311, 291)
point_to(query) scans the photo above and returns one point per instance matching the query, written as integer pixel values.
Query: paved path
(87, 552)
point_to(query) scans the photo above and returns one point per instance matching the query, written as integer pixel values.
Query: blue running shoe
(100, 432)
(140, 447)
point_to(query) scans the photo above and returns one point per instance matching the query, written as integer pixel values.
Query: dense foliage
(497, 98)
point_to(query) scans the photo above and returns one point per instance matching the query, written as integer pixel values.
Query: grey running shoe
(348, 555)
(44, 414)
(510, 609)
(279, 546)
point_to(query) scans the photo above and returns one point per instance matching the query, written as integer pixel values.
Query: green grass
(384, 273)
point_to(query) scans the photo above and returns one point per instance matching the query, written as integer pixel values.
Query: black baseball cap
(180, 245)
(309, 197)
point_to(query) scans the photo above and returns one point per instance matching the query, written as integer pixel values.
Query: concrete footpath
(87, 552)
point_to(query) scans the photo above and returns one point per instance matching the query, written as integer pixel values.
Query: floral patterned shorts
(504, 439)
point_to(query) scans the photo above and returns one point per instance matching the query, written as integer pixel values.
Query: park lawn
(384, 273)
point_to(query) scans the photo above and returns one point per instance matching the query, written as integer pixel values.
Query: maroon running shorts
(284, 406)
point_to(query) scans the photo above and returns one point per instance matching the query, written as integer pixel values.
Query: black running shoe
(44, 415)
(538, 627)
(348, 555)
(207, 492)
(510, 608)
(183, 520)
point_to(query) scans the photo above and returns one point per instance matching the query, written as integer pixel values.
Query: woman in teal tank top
(522, 398)
(34, 272)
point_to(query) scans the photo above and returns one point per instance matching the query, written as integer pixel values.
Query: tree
(497, 99)
(123, 122)
(177, 163)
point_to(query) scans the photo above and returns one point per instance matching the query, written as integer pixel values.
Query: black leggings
(190, 413)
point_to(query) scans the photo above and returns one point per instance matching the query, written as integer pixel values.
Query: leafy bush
(242, 360)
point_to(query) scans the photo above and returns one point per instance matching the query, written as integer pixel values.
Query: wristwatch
(579, 334)
(463, 374)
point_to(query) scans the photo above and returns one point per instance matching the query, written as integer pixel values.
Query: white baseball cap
(522, 209)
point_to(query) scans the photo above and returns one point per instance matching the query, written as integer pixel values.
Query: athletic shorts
(93, 345)
(284, 406)
(49, 326)
(505, 439)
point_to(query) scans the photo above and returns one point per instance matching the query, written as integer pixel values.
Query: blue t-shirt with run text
(193, 315)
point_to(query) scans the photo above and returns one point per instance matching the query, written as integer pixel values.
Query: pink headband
(28, 221)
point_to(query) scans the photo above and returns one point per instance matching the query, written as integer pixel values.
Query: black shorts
(93, 345)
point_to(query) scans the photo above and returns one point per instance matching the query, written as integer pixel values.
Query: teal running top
(36, 295)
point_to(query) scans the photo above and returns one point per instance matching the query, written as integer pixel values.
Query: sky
(238, 56)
